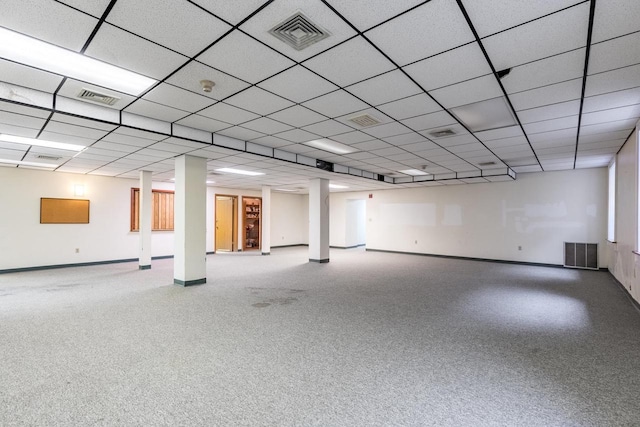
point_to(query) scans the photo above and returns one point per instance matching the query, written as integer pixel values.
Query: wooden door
(225, 219)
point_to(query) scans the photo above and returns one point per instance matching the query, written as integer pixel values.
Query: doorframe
(234, 221)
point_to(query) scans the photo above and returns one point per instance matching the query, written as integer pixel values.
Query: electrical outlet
(77, 250)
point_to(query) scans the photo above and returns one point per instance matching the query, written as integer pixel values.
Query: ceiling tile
(454, 66)
(550, 125)
(316, 11)
(611, 100)
(506, 132)
(468, 92)
(439, 21)
(266, 126)
(389, 129)
(204, 123)
(428, 121)
(50, 21)
(548, 112)
(350, 62)
(298, 84)
(554, 34)
(224, 56)
(328, 128)
(155, 111)
(611, 81)
(375, 144)
(232, 12)
(385, 88)
(272, 141)
(22, 120)
(241, 133)
(297, 135)
(298, 116)
(412, 106)
(491, 16)
(544, 72)
(228, 113)
(22, 75)
(335, 104)
(364, 14)
(69, 129)
(123, 49)
(189, 78)
(352, 137)
(614, 114)
(404, 139)
(614, 18)
(180, 26)
(258, 101)
(606, 56)
(547, 95)
(173, 96)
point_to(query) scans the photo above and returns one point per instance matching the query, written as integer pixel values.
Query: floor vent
(299, 32)
(100, 98)
(581, 255)
(365, 120)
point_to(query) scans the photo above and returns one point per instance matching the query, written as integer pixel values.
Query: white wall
(623, 262)
(538, 212)
(24, 242)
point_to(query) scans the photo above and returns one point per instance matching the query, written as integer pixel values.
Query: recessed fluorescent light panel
(38, 54)
(485, 115)
(331, 146)
(240, 172)
(337, 187)
(21, 163)
(413, 172)
(41, 143)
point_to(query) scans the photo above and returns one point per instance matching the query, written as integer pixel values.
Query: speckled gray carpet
(370, 339)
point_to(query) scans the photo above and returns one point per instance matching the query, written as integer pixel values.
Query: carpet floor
(370, 339)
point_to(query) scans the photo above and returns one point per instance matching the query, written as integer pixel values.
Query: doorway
(355, 222)
(226, 228)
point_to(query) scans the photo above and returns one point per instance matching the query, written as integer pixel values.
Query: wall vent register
(581, 255)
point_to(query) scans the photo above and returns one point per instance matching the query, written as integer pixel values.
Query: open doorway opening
(226, 227)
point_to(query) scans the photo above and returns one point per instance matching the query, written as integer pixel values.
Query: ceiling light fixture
(38, 54)
(337, 187)
(485, 115)
(413, 172)
(21, 163)
(284, 189)
(240, 171)
(41, 143)
(331, 146)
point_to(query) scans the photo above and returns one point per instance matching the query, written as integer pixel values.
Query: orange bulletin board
(64, 211)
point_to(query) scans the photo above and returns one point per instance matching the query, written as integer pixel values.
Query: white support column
(266, 220)
(145, 202)
(319, 220)
(189, 266)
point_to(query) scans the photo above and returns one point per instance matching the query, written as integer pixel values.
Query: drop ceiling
(572, 90)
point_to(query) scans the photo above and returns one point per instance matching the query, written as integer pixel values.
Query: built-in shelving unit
(251, 209)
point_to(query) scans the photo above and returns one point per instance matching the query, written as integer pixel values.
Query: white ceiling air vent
(364, 120)
(299, 32)
(442, 133)
(98, 98)
(483, 164)
(45, 157)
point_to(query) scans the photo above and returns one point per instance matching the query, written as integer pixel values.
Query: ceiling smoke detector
(97, 97)
(442, 133)
(365, 120)
(299, 32)
(207, 85)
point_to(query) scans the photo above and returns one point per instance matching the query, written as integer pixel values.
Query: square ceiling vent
(299, 32)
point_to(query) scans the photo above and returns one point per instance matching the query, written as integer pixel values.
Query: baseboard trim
(186, 283)
(320, 261)
(144, 267)
(348, 247)
(289, 246)
(635, 303)
(78, 264)
(266, 253)
(499, 261)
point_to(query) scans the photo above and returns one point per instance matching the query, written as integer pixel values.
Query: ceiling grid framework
(572, 89)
